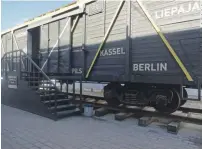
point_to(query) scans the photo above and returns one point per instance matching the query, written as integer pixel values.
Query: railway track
(99, 98)
(183, 114)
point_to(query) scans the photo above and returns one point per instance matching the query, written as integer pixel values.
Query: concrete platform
(23, 130)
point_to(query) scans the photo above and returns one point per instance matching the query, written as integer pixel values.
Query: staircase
(57, 102)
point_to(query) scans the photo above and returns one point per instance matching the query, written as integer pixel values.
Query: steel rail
(193, 110)
(145, 112)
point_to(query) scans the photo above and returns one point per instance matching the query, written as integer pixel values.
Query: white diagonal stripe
(17, 47)
(2, 46)
(56, 43)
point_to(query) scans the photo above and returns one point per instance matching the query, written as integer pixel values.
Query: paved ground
(22, 130)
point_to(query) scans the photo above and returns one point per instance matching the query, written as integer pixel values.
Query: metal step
(58, 101)
(52, 96)
(39, 81)
(68, 113)
(34, 82)
(27, 71)
(66, 77)
(30, 73)
(45, 87)
(63, 107)
(41, 87)
(31, 78)
(41, 92)
(34, 87)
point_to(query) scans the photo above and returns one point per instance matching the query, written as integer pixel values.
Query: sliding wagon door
(106, 20)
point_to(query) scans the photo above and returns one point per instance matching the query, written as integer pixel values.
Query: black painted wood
(24, 98)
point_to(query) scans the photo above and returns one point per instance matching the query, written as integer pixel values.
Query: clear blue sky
(16, 12)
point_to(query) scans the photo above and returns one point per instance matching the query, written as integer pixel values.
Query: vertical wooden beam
(58, 69)
(70, 43)
(104, 13)
(201, 37)
(12, 50)
(47, 60)
(84, 45)
(128, 56)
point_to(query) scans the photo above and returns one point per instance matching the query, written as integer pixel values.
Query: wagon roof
(57, 11)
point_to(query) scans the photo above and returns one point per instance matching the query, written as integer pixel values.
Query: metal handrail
(36, 66)
(40, 70)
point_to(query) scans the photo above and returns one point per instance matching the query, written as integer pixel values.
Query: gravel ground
(23, 130)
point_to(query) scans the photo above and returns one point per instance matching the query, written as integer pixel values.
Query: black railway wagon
(147, 51)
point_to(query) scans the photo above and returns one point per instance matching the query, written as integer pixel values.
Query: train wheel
(183, 102)
(113, 93)
(170, 107)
